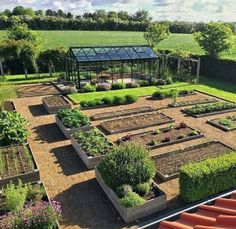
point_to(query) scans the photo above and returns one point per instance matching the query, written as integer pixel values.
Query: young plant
(193, 133)
(157, 131)
(181, 136)
(175, 96)
(153, 142)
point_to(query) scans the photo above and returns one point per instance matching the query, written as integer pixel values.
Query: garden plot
(8, 106)
(54, 103)
(168, 164)
(17, 162)
(120, 113)
(135, 122)
(163, 137)
(226, 123)
(193, 102)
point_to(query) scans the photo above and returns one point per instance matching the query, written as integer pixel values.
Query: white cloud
(189, 10)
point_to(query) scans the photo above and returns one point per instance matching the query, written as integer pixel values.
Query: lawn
(218, 88)
(56, 39)
(6, 92)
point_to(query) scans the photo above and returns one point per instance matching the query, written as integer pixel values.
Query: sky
(186, 10)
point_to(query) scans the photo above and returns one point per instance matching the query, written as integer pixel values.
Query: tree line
(98, 20)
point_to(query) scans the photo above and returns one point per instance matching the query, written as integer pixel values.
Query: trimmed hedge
(209, 177)
(171, 93)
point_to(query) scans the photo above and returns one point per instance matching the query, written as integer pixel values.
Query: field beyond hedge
(55, 39)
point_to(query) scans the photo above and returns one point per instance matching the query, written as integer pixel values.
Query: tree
(20, 10)
(156, 32)
(215, 38)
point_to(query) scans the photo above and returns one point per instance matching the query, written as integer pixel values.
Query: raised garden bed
(135, 122)
(54, 103)
(168, 164)
(91, 146)
(171, 93)
(8, 106)
(121, 113)
(226, 124)
(17, 162)
(210, 109)
(193, 102)
(36, 193)
(155, 204)
(163, 137)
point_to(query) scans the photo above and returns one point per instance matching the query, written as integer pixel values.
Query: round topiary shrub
(132, 199)
(122, 190)
(89, 88)
(83, 104)
(119, 100)
(13, 128)
(131, 98)
(108, 100)
(117, 86)
(127, 164)
(142, 188)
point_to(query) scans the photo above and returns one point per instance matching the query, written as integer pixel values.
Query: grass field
(55, 39)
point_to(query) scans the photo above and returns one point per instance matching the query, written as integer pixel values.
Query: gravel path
(66, 178)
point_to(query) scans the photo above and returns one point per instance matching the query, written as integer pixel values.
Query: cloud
(188, 10)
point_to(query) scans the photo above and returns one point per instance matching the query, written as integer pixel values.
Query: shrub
(142, 188)
(171, 93)
(89, 88)
(103, 87)
(132, 199)
(160, 82)
(84, 103)
(73, 118)
(131, 98)
(13, 128)
(122, 190)
(108, 100)
(128, 164)
(119, 100)
(15, 196)
(144, 83)
(131, 85)
(117, 86)
(203, 179)
(227, 122)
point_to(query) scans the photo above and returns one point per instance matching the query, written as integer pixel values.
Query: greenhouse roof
(113, 53)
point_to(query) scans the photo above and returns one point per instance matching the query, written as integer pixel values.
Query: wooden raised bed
(165, 137)
(215, 123)
(89, 161)
(17, 162)
(121, 113)
(194, 102)
(135, 122)
(130, 214)
(54, 103)
(69, 131)
(168, 164)
(8, 106)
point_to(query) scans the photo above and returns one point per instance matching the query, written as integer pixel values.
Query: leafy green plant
(122, 190)
(153, 142)
(193, 133)
(171, 93)
(89, 88)
(35, 192)
(157, 131)
(119, 100)
(118, 86)
(108, 100)
(226, 122)
(13, 128)
(93, 142)
(15, 196)
(73, 118)
(132, 199)
(131, 98)
(142, 188)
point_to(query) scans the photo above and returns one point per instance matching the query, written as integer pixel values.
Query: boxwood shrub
(171, 93)
(117, 86)
(73, 118)
(89, 88)
(209, 177)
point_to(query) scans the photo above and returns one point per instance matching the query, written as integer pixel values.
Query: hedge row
(203, 179)
(170, 93)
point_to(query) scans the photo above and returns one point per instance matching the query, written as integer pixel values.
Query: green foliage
(15, 196)
(118, 86)
(203, 179)
(171, 93)
(227, 122)
(209, 108)
(122, 190)
(13, 128)
(35, 192)
(144, 83)
(89, 88)
(119, 100)
(131, 85)
(142, 188)
(216, 38)
(108, 100)
(131, 98)
(73, 118)
(156, 32)
(128, 164)
(132, 199)
(153, 142)
(93, 142)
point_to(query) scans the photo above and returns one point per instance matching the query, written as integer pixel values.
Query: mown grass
(57, 39)
(7, 92)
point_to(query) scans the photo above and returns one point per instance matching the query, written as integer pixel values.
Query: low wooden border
(148, 109)
(171, 120)
(130, 214)
(219, 126)
(55, 109)
(176, 175)
(69, 131)
(188, 138)
(89, 161)
(13, 105)
(25, 177)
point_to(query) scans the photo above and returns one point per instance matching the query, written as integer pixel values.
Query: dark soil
(9, 106)
(194, 102)
(170, 163)
(54, 101)
(127, 112)
(14, 160)
(151, 139)
(135, 122)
